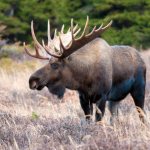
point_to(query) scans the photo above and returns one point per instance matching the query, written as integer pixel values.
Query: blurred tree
(2, 42)
(131, 24)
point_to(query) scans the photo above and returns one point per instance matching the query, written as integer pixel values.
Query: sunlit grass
(38, 120)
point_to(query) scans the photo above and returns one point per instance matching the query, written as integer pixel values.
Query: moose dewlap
(89, 65)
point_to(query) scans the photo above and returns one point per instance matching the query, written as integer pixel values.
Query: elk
(89, 65)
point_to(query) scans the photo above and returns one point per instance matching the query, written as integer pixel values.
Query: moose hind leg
(86, 105)
(138, 95)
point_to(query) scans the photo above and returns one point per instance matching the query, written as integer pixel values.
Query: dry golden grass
(38, 120)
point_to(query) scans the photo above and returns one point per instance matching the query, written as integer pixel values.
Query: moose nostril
(33, 85)
(33, 82)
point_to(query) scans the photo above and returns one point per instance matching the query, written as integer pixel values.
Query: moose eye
(54, 66)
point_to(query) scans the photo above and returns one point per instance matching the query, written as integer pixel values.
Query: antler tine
(68, 30)
(99, 27)
(26, 50)
(43, 43)
(36, 51)
(93, 30)
(72, 30)
(34, 37)
(102, 29)
(62, 47)
(37, 55)
(108, 25)
(54, 55)
(48, 51)
(85, 27)
(62, 29)
(48, 33)
(61, 44)
(55, 33)
(75, 28)
(77, 32)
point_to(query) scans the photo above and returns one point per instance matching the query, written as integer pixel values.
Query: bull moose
(89, 65)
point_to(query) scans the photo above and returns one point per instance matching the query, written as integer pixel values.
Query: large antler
(84, 38)
(38, 46)
(37, 54)
(73, 46)
(76, 44)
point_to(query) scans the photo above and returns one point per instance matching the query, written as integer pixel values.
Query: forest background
(131, 18)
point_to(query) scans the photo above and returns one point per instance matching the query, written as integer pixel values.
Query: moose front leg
(113, 108)
(86, 105)
(100, 108)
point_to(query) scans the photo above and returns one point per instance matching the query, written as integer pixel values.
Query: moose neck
(86, 63)
(82, 64)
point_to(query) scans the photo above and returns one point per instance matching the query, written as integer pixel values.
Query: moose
(88, 64)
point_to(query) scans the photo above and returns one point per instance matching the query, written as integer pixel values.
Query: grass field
(37, 120)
